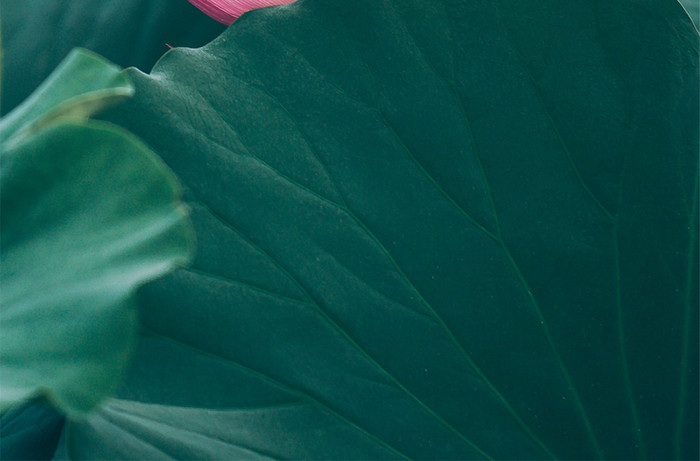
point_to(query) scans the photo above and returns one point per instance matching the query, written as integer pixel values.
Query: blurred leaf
(81, 85)
(89, 213)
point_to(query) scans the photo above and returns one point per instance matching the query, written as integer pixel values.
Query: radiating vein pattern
(448, 228)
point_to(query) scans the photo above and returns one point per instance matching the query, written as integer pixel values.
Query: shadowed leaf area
(444, 230)
(38, 34)
(30, 431)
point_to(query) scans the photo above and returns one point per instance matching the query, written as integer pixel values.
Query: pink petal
(226, 11)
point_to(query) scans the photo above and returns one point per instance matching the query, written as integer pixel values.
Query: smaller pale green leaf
(89, 214)
(81, 85)
(693, 9)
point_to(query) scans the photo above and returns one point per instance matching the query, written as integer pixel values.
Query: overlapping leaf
(89, 213)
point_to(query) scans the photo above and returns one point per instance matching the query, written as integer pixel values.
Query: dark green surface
(455, 229)
(89, 214)
(446, 229)
(38, 34)
(30, 432)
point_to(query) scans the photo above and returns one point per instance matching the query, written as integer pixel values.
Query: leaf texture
(457, 229)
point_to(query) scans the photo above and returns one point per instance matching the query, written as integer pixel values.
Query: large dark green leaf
(428, 229)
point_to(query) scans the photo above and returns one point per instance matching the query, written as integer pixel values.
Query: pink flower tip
(226, 11)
